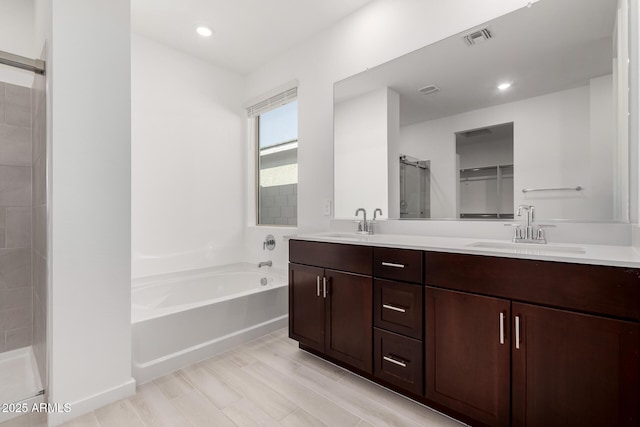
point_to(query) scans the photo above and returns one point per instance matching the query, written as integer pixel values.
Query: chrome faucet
(528, 231)
(265, 263)
(373, 221)
(527, 235)
(363, 226)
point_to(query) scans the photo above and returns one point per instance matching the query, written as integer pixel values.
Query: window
(276, 131)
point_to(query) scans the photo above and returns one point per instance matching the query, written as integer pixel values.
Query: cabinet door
(574, 369)
(467, 354)
(349, 326)
(306, 306)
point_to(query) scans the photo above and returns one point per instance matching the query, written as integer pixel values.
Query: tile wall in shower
(16, 292)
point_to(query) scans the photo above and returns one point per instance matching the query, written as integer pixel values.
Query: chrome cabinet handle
(501, 328)
(391, 264)
(318, 286)
(517, 332)
(324, 287)
(394, 361)
(394, 308)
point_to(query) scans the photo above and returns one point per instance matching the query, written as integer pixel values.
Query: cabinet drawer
(335, 256)
(599, 289)
(397, 307)
(398, 360)
(398, 264)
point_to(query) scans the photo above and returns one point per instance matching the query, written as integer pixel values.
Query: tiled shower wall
(16, 291)
(39, 223)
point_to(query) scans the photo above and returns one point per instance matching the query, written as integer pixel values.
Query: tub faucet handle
(269, 242)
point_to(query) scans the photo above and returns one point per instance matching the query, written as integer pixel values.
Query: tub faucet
(265, 263)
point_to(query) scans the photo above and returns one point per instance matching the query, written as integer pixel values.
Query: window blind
(273, 102)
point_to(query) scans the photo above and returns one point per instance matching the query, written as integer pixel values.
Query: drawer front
(398, 360)
(398, 264)
(594, 289)
(397, 307)
(335, 256)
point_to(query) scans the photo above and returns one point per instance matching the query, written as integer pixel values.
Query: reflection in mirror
(415, 183)
(557, 71)
(485, 163)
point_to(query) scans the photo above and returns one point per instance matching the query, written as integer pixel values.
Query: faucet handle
(540, 232)
(517, 231)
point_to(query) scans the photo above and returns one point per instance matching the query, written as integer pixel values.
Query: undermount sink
(529, 247)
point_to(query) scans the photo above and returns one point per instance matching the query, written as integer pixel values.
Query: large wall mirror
(529, 108)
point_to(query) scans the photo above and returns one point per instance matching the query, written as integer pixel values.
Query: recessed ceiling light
(204, 31)
(504, 86)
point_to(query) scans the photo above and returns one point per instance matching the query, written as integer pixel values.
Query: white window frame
(273, 99)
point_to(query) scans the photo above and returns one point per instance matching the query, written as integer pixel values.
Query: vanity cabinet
(468, 354)
(574, 369)
(398, 318)
(501, 361)
(330, 300)
(492, 341)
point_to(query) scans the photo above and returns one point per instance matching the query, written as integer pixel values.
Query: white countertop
(619, 256)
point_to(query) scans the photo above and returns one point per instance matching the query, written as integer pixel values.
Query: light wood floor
(267, 382)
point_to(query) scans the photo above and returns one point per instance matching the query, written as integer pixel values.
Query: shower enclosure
(415, 184)
(23, 231)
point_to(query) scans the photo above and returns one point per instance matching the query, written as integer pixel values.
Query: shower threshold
(19, 378)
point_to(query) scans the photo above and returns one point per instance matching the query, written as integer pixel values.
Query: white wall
(188, 163)
(377, 33)
(552, 133)
(90, 190)
(361, 127)
(17, 36)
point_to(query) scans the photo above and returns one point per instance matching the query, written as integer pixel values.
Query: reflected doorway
(415, 183)
(485, 184)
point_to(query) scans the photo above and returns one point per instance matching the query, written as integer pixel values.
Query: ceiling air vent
(477, 37)
(429, 89)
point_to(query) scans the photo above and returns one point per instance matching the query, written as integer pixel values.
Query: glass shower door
(23, 259)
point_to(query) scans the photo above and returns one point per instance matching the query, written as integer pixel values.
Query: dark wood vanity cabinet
(398, 318)
(468, 354)
(505, 362)
(330, 309)
(574, 369)
(490, 340)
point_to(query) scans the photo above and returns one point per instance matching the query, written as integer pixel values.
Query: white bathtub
(181, 318)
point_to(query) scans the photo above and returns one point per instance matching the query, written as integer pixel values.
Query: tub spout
(263, 263)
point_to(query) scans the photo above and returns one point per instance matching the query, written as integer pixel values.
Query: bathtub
(182, 318)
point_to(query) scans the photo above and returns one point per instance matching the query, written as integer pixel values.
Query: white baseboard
(94, 402)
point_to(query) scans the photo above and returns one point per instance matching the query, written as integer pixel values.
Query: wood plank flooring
(267, 382)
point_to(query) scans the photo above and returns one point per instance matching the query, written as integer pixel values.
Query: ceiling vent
(477, 37)
(429, 89)
(477, 132)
